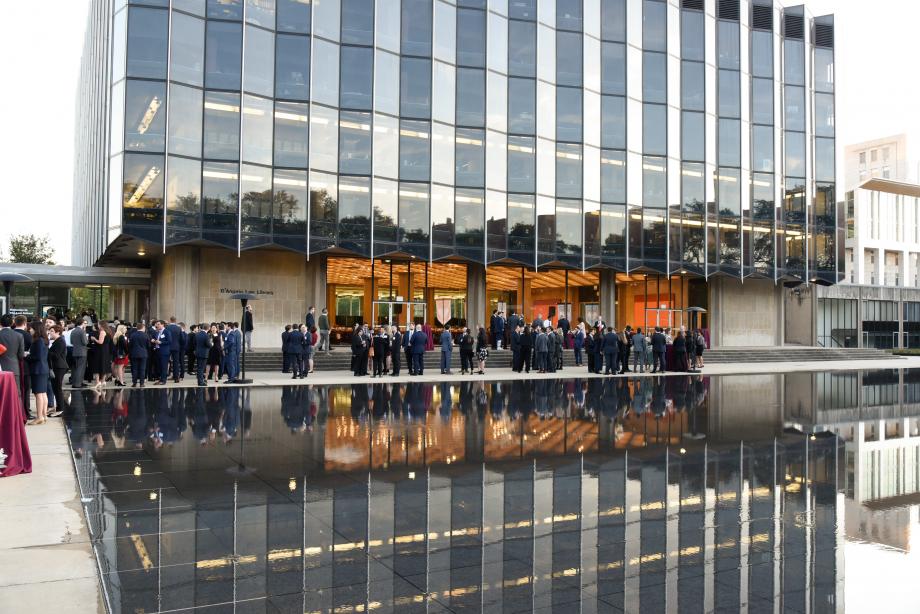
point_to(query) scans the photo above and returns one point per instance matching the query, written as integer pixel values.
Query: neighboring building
(885, 158)
(417, 160)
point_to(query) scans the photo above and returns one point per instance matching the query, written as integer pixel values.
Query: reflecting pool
(684, 493)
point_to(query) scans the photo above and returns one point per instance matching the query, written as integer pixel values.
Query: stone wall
(748, 314)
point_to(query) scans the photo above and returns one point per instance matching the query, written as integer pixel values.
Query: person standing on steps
(447, 348)
(248, 327)
(138, 351)
(310, 319)
(295, 352)
(323, 326)
(395, 349)
(419, 341)
(659, 347)
(639, 350)
(201, 342)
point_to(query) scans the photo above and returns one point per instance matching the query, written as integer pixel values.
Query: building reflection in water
(645, 494)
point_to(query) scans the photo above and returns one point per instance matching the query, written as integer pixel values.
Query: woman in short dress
(482, 349)
(101, 361)
(214, 354)
(38, 370)
(121, 355)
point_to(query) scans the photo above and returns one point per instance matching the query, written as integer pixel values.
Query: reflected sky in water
(686, 493)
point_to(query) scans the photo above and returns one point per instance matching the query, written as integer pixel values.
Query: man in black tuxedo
(138, 352)
(659, 348)
(395, 344)
(202, 344)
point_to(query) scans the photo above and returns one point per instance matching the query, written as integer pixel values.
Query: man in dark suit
(285, 357)
(190, 349)
(15, 352)
(564, 324)
(659, 347)
(515, 344)
(202, 343)
(20, 325)
(294, 348)
(611, 351)
(396, 344)
(164, 343)
(78, 343)
(232, 347)
(419, 341)
(138, 342)
(310, 320)
(175, 349)
(407, 348)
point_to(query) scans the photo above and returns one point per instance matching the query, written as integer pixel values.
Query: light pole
(244, 298)
(8, 280)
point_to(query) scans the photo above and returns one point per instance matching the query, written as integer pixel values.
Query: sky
(877, 95)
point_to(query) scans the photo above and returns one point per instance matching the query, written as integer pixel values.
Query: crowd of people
(97, 352)
(535, 346)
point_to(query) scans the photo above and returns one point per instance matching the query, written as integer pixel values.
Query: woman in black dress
(100, 363)
(680, 352)
(214, 354)
(482, 349)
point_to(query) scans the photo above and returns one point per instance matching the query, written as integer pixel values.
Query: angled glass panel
(521, 164)
(414, 150)
(413, 229)
(196, 7)
(225, 9)
(386, 146)
(569, 53)
(355, 143)
(824, 159)
(261, 13)
(358, 22)
(355, 213)
(292, 67)
(654, 129)
(324, 138)
(824, 70)
(729, 93)
(386, 211)
(325, 72)
(185, 109)
(386, 82)
(654, 77)
(794, 101)
(255, 199)
(692, 86)
(521, 231)
(471, 97)
(762, 101)
(692, 187)
(470, 159)
(613, 20)
(762, 157)
(728, 39)
(292, 131)
(794, 62)
(145, 115)
(795, 154)
(324, 208)
(445, 32)
(824, 115)
(257, 129)
(142, 190)
(692, 38)
(654, 25)
(568, 170)
(223, 55)
(187, 50)
(729, 192)
(613, 176)
(762, 54)
(613, 122)
(470, 215)
(293, 16)
(568, 227)
(693, 136)
(569, 15)
(388, 26)
(183, 193)
(415, 87)
(357, 84)
(763, 198)
(729, 142)
(220, 192)
(147, 33)
(522, 9)
(522, 106)
(471, 38)
(327, 19)
(222, 126)
(654, 182)
(289, 203)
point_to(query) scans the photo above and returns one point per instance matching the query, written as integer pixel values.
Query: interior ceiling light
(152, 174)
(149, 115)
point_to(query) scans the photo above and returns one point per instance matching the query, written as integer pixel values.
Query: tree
(31, 249)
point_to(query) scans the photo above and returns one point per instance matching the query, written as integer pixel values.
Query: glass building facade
(632, 135)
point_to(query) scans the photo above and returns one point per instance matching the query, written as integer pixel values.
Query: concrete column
(315, 284)
(608, 295)
(476, 295)
(176, 288)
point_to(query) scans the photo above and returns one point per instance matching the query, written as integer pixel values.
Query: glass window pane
(222, 126)
(693, 139)
(762, 197)
(196, 7)
(729, 93)
(471, 38)
(470, 215)
(185, 106)
(388, 27)
(762, 54)
(692, 186)
(762, 101)
(728, 39)
(522, 48)
(613, 122)
(358, 22)
(386, 210)
(292, 64)
(415, 87)
(654, 182)
(471, 97)
(522, 108)
(569, 50)
(824, 159)
(794, 62)
(289, 203)
(414, 150)
(613, 20)
(568, 114)
(522, 9)
(386, 82)
(324, 138)
(183, 191)
(355, 143)
(187, 51)
(326, 72)
(692, 85)
(324, 206)
(326, 19)
(729, 192)
(445, 32)
(654, 77)
(292, 129)
(119, 46)
(692, 38)
(654, 25)
(729, 142)
(355, 213)
(568, 170)
(824, 70)
(386, 146)
(569, 15)
(294, 16)
(794, 99)
(654, 129)
(824, 114)
(225, 9)
(613, 68)
(259, 77)
(413, 215)
(220, 192)
(145, 116)
(357, 78)
(143, 183)
(613, 176)
(521, 164)
(762, 148)
(416, 27)
(223, 55)
(568, 227)
(470, 158)
(261, 13)
(257, 130)
(147, 34)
